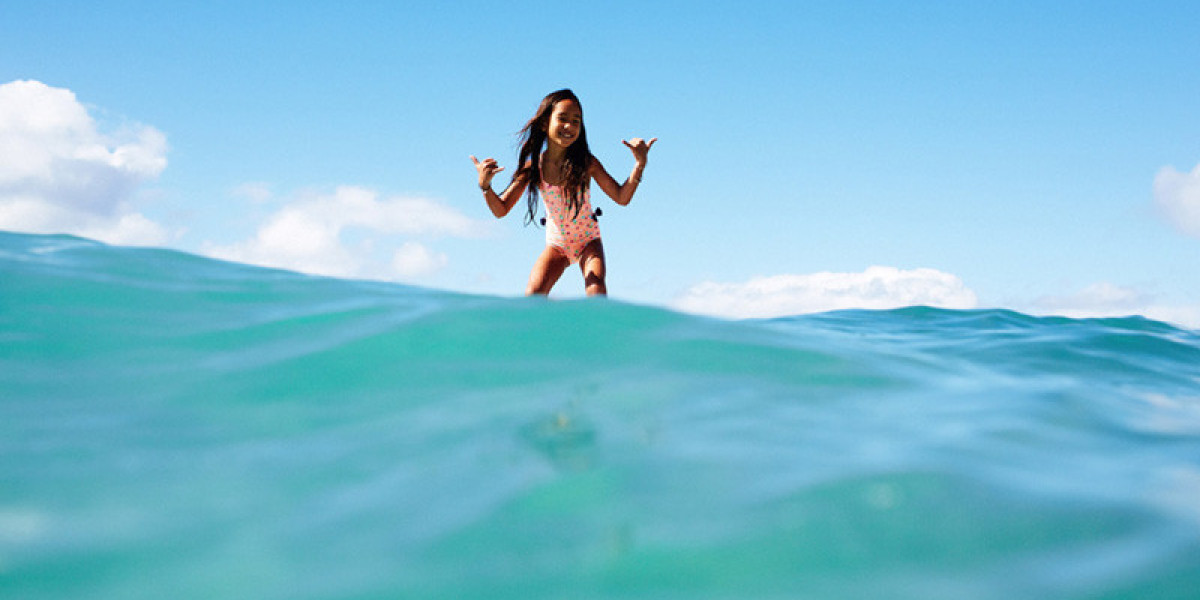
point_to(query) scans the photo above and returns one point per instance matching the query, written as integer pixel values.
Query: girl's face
(566, 122)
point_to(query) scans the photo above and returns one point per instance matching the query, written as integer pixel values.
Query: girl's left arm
(622, 193)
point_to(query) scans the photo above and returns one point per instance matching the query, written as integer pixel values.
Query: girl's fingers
(487, 165)
(639, 143)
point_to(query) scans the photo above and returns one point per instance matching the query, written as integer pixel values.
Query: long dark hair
(578, 158)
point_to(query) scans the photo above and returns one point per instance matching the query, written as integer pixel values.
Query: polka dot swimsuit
(566, 230)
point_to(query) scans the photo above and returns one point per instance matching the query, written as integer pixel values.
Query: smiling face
(566, 123)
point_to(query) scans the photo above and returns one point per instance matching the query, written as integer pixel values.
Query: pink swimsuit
(566, 230)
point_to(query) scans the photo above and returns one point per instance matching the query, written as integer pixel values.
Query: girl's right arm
(500, 204)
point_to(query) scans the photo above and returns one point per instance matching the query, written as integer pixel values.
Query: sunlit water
(176, 427)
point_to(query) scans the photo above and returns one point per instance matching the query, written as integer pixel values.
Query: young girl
(556, 163)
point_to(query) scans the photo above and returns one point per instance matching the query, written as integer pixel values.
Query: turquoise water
(176, 427)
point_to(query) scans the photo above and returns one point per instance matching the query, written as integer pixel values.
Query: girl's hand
(487, 170)
(640, 148)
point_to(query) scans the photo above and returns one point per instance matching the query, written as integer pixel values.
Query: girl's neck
(552, 166)
(555, 154)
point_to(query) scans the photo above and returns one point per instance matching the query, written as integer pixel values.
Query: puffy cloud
(60, 174)
(1105, 299)
(340, 234)
(1178, 197)
(784, 295)
(415, 260)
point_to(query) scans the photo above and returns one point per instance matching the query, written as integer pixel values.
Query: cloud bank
(785, 295)
(60, 174)
(1106, 299)
(1177, 196)
(344, 234)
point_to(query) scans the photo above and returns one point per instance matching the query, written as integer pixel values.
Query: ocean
(177, 427)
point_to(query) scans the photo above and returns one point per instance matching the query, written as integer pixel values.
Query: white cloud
(1105, 299)
(60, 174)
(338, 234)
(415, 260)
(1178, 197)
(784, 295)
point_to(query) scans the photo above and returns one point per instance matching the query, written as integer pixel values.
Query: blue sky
(1040, 156)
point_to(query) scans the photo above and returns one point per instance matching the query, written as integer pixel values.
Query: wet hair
(575, 164)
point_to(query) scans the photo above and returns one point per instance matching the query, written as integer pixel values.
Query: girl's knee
(540, 284)
(546, 271)
(594, 270)
(595, 285)
(594, 276)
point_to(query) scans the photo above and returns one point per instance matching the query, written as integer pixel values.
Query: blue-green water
(176, 427)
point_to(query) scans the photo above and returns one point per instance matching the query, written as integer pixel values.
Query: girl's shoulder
(594, 167)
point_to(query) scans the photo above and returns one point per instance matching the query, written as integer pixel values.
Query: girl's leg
(546, 271)
(591, 262)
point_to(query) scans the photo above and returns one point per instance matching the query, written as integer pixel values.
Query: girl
(556, 163)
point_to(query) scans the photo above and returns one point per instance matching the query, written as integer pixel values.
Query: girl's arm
(623, 193)
(500, 204)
